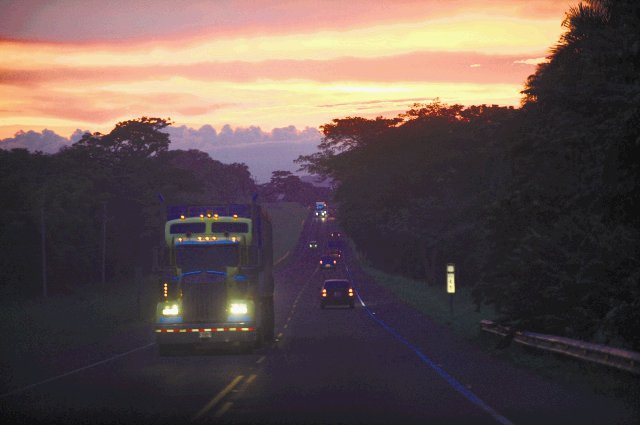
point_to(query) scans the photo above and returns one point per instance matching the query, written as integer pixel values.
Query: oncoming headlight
(238, 308)
(171, 310)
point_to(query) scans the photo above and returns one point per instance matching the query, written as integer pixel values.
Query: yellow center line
(218, 397)
(223, 409)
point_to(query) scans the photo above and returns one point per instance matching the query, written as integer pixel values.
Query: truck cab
(218, 286)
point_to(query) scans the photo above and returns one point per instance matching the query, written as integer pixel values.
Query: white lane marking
(293, 307)
(260, 360)
(281, 258)
(250, 379)
(215, 400)
(28, 387)
(453, 382)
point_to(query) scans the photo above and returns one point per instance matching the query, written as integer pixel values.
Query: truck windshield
(206, 257)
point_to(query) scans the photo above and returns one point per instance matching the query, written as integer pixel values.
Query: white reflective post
(451, 284)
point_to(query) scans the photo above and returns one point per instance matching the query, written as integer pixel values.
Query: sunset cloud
(263, 151)
(533, 61)
(254, 63)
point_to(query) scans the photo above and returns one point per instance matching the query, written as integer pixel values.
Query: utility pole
(104, 239)
(44, 251)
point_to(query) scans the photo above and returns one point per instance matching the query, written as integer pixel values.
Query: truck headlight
(238, 308)
(240, 311)
(171, 310)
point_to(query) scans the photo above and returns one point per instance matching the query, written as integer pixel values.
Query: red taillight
(334, 261)
(320, 261)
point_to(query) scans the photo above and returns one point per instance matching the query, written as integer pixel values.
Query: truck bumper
(205, 333)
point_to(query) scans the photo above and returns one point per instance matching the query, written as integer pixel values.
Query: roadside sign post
(451, 284)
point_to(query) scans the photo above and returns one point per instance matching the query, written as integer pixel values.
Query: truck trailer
(218, 284)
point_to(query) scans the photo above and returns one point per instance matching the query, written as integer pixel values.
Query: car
(337, 292)
(327, 262)
(313, 244)
(335, 235)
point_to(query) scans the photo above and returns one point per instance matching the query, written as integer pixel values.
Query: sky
(88, 64)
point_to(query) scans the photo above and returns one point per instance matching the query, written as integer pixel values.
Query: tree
(137, 138)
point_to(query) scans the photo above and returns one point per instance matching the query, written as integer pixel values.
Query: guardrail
(596, 353)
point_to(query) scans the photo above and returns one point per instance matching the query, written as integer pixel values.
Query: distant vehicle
(335, 240)
(336, 253)
(313, 244)
(327, 262)
(321, 209)
(337, 292)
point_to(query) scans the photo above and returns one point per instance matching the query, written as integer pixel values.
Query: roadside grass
(433, 301)
(88, 315)
(39, 328)
(287, 219)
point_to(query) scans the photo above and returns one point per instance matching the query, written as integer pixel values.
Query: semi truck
(217, 285)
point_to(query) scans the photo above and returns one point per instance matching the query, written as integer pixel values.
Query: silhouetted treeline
(124, 179)
(537, 206)
(285, 186)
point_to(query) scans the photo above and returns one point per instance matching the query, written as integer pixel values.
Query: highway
(379, 363)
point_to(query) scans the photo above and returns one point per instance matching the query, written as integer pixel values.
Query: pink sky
(89, 64)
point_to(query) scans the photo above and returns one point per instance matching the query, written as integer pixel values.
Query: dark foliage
(118, 180)
(537, 206)
(285, 186)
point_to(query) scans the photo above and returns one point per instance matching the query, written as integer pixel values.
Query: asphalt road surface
(379, 363)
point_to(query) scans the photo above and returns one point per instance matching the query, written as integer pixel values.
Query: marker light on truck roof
(165, 289)
(215, 216)
(201, 216)
(181, 216)
(235, 216)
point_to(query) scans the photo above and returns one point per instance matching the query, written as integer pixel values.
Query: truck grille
(204, 298)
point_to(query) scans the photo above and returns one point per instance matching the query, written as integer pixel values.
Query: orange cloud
(422, 66)
(266, 63)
